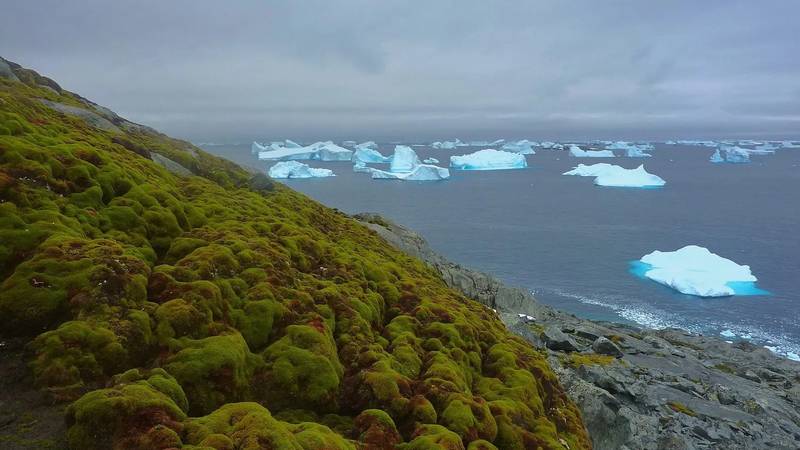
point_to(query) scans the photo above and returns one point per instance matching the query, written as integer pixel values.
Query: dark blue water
(571, 242)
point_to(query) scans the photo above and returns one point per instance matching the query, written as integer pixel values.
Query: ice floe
(488, 159)
(694, 270)
(294, 169)
(616, 176)
(578, 152)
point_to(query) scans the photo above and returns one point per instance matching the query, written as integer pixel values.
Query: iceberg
(294, 169)
(790, 144)
(348, 143)
(616, 176)
(488, 159)
(431, 161)
(369, 155)
(698, 143)
(631, 150)
(763, 149)
(322, 151)
(420, 172)
(523, 147)
(730, 154)
(694, 270)
(577, 152)
(551, 145)
(449, 145)
(368, 144)
(404, 159)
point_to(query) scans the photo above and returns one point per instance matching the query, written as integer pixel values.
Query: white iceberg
(578, 152)
(488, 159)
(631, 150)
(616, 176)
(369, 155)
(322, 151)
(694, 270)
(523, 147)
(449, 145)
(368, 144)
(763, 149)
(730, 154)
(348, 143)
(294, 169)
(404, 159)
(420, 172)
(547, 145)
(431, 161)
(790, 144)
(698, 143)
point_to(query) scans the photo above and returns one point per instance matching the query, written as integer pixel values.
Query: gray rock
(170, 165)
(90, 117)
(6, 72)
(555, 339)
(604, 346)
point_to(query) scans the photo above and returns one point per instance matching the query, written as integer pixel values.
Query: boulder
(555, 339)
(604, 346)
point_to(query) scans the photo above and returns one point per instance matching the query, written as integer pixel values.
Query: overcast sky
(387, 70)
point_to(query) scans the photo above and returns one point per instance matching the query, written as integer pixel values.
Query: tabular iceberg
(551, 145)
(369, 155)
(616, 176)
(322, 151)
(578, 152)
(294, 169)
(523, 147)
(449, 145)
(790, 144)
(730, 154)
(431, 161)
(420, 172)
(694, 270)
(488, 159)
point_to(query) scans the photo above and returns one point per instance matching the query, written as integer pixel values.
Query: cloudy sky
(386, 70)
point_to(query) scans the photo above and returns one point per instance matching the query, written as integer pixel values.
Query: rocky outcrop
(641, 388)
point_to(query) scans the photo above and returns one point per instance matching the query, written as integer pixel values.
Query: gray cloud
(424, 70)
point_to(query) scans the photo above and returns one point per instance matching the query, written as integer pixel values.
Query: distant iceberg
(763, 149)
(448, 145)
(488, 159)
(730, 154)
(368, 144)
(578, 152)
(348, 143)
(431, 161)
(631, 150)
(420, 172)
(790, 144)
(551, 145)
(698, 143)
(523, 147)
(369, 155)
(322, 151)
(616, 176)
(694, 270)
(294, 169)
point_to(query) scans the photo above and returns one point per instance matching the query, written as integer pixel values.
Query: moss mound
(219, 310)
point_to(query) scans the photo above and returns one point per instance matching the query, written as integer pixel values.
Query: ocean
(572, 243)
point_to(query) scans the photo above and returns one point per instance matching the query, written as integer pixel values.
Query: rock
(604, 346)
(749, 375)
(170, 165)
(90, 117)
(6, 72)
(587, 334)
(555, 339)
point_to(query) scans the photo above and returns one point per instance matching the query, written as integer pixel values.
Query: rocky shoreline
(640, 388)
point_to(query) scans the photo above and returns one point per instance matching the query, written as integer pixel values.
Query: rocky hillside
(154, 296)
(637, 388)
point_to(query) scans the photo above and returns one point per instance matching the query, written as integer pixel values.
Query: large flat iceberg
(578, 152)
(420, 172)
(616, 176)
(322, 151)
(294, 169)
(694, 270)
(488, 159)
(448, 145)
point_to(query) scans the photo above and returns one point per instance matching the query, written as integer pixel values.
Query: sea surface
(571, 243)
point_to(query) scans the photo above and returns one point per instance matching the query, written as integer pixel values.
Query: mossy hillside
(220, 312)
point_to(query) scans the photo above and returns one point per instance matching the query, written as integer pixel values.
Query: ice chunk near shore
(578, 152)
(404, 159)
(694, 270)
(294, 169)
(523, 147)
(431, 161)
(369, 155)
(730, 154)
(420, 172)
(488, 159)
(616, 176)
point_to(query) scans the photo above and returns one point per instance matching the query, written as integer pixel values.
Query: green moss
(681, 408)
(185, 294)
(576, 360)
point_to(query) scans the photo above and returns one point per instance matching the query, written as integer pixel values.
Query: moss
(681, 408)
(238, 289)
(213, 371)
(722, 367)
(576, 360)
